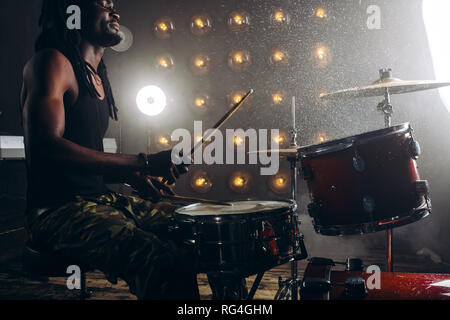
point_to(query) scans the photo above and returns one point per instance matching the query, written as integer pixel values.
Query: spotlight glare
(321, 13)
(240, 182)
(280, 183)
(151, 100)
(165, 61)
(201, 25)
(437, 24)
(277, 98)
(164, 28)
(200, 64)
(322, 56)
(201, 182)
(279, 17)
(201, 102)
(239, 60)
(279, 57)
(238, 21)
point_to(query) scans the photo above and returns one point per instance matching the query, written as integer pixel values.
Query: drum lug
(422, 187)
(315, 208)
(413, 149)
(359, 164)
(307, 172)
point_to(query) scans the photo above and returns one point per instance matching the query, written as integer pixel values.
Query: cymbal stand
(386, 107)
(288, 289)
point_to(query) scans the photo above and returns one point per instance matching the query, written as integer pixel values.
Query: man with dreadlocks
(67, 101)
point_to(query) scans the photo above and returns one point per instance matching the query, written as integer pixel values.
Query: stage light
(279, 57)
(280, 183)
(322, 56)
(201, 182)
(278, 98)
(437, 24)
(239, 60)
(127, 40)
(238, 140)
(321, 137)
(201, 25)
(236, 96)
(200, 63)
(317, 98)
(151, 100)
(240, 182)
(165, 61)
(321, 13)
(163, 142)
(164, 28)
(280, 17)
(238, 21)
(201, 102)
(281, 139)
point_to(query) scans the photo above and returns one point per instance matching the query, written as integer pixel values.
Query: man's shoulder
(48, 60)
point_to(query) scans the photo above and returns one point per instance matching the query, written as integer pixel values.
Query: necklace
(97, 78)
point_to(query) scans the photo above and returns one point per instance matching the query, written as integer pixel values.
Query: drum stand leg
(389, 250)
(288, 289)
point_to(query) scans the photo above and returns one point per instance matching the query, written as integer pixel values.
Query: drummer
(67, 102)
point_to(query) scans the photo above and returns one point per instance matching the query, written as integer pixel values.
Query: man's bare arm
(49, 78)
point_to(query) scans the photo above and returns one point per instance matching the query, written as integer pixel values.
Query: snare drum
(365, 183)
(249, 236)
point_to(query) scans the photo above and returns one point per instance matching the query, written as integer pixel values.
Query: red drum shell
(364, 183)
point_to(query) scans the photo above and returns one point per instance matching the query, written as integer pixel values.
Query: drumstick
(222, 121)
(190, 199)
(218, 125)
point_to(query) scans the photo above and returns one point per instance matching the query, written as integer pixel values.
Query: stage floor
(15, 285)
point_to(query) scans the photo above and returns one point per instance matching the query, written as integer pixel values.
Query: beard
(110, 40)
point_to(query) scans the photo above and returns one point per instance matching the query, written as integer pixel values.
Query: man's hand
(161, 165)
(150, 188)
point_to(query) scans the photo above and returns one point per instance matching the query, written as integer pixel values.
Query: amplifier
(12, 148)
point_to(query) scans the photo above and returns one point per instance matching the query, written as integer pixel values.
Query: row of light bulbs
(163, 142)
(240, 59)
(238, 21)
(240, 182)
(202, 101)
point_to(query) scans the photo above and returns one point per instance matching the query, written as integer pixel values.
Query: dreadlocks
(56, 35)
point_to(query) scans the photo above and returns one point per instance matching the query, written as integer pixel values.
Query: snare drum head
(236, 208)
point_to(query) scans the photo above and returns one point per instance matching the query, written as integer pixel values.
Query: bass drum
(365, 183)
(248, 236)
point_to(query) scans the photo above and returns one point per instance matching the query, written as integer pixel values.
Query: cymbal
(378, 88)
(284, 153)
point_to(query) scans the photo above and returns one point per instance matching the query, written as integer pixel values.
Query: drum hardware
(387, 86)
(288, 289)
(235, 242)
(317, 282)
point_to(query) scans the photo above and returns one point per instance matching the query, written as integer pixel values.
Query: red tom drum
(365, 183)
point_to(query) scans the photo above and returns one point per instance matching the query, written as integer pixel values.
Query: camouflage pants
(124, 237)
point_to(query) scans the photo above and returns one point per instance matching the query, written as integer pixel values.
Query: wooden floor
(15, 285)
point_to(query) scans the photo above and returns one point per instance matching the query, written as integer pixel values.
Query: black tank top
(86, 124)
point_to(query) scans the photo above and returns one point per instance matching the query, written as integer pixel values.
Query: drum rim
(346, 143)
(413, 215)
(289, 210)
